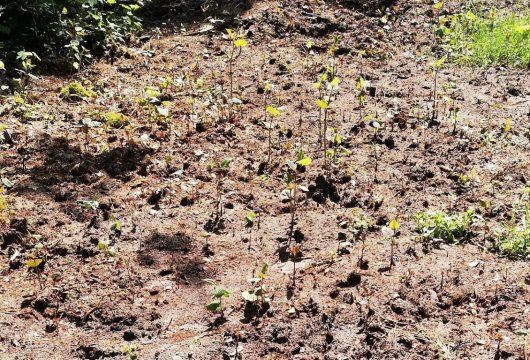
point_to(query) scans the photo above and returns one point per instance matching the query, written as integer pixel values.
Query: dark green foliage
(71, 31)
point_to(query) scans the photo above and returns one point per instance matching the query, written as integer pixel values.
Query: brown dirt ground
(452, 302)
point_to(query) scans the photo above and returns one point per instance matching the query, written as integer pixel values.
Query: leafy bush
(71, 30)
(440, 227)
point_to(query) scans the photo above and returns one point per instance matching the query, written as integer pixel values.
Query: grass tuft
(489, 40)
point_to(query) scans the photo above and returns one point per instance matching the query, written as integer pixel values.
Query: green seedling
(436, 69)
(308, 48)
(394, 227)
(249, 224)
(466, 180)
(237, 43)
(218, 293)
(20, 107)
(359, 226)
(108, 250)
(130, 351)
(326, 97)
(159, 111)
(258, 294)
(290, 179)
(27, 63)
(115, 228)
(451, 91)
(219, 171)
(206, 247)
(335, 140)
(273, 112)
(34, 258)
(376, 125)
(295, 252)
(361, 90)
(438, 227)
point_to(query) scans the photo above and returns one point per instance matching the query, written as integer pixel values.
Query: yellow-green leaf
(33, 263)
(305, 161)
(273, 111)
(440, 62)
(240, 43)
(2, 66)
(322, 104)
(394, 225)
(230, 33)
(335, 82)
(507, 125)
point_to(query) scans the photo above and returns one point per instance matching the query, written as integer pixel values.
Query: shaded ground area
(158, 202)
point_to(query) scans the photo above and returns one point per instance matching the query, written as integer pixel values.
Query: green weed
(514, 239)
(439, 227)
(489, 40)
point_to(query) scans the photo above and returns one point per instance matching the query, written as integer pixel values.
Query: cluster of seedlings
(212, 104)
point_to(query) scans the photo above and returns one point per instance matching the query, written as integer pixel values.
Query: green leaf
(214, 305)
(305, 161)
(219, 291)
(102, 245)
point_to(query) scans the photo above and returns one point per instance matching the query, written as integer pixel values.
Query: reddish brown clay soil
(458, 301)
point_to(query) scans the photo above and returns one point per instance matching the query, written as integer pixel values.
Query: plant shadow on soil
(62, 168)
(64, 163)
(173, 254)
(160, 13)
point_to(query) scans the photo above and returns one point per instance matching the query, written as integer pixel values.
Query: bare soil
(455, 301)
